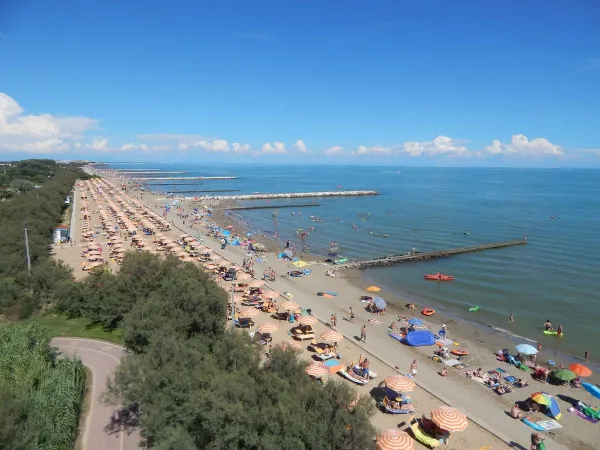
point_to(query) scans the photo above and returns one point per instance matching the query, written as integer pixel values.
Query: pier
(147, 172)
(183, 178)
(238, 208)
(297, 195)
(400, 259)
(135, 170)
(208, 190)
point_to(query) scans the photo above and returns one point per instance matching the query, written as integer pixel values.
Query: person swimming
(548, 325)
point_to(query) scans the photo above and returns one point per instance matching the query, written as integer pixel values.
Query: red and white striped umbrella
(289, 306)
(317, 369)
(290, 343)
(307, 320)
(332, 336)
(249, 312)
(354, 401)
(271, 294)
(399, 383)
(395, 440)
(269, 327)
(450, 419)
(244, 276)
(256, 283)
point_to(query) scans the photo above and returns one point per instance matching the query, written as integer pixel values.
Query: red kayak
(439, 277)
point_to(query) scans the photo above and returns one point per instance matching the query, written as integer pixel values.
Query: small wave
(502, 330)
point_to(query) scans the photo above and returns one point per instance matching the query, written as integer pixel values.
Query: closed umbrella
(307, 320)
(399, 383)
(526, 349)
(394, 439)
(564, 375)
(317, 369)
(591, 388)
(332, 336)
(449, 419)
(580, 370)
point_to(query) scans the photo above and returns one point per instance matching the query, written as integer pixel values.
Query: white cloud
(300, 146)
(218, 145)
(276, 147)
(240, 148)
(334, 151)
(520, 145)
(99, 144)
(374, 150)
(441, 145)
(43, 133)
(134, 147)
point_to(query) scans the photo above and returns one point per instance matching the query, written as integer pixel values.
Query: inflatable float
(553, 333)
(474, 309)
(419, 338)
(533, 425)
(439, 277)
(459, 352)
(428, 311)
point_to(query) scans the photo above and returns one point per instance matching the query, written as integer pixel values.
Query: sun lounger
(423, 438)
(353, 377)
(324, 357)
(302, 336)
(406, 408)
(372, 375)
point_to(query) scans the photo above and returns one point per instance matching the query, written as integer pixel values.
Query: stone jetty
(295, 195)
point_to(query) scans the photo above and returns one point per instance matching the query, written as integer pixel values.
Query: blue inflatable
(419, 338)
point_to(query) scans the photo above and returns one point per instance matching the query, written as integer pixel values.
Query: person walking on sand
(512, 317)
(351, 315)
(363, 334)
(537, 441)
(539, 346)
(587, 356)
(413, 367)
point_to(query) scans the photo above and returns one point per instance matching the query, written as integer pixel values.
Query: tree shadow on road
(124, 419)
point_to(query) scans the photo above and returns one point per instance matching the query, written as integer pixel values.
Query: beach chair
(423, 438)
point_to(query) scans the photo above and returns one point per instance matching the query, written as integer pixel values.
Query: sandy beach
(487, 410)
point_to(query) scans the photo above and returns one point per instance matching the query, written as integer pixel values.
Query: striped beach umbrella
(399, 383)
(395, 440)
(269, 327)
(332, 336)
(290, 343)
(244, 276)
(289, 306)
(249, 312)
(449, 419)
(256, 283)
(271, 295)
(354, 401)
(317, 369)
(307, 320)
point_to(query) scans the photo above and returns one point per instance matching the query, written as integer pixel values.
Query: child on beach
(413, 367)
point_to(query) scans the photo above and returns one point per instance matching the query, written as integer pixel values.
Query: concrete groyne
(295, 195)
(147, 172)
(183, 178)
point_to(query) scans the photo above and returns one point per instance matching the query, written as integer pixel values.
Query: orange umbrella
(249, 312)
(317, 369)
(269, 327)
(244, 276)
(271, 294)
(450, 419)
(332, 336)
(395, 440)
(373, 289)
(399, 383)
(290, 343)
(307, 320)
(289, 306)
(580, 370)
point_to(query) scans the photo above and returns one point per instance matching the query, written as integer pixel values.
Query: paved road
(102, 358)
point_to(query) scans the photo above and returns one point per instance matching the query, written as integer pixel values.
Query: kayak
(439, 277)
(474, 308)
(553, 333)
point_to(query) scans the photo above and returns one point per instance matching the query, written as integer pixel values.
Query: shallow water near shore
(555, 276)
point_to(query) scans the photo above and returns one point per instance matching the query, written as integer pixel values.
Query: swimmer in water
(548, 325)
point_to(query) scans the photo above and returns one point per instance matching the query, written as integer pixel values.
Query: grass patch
(61, 325)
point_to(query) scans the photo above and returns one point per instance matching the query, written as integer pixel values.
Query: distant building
(61, 233)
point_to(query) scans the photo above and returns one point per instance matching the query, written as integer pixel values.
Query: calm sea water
(556, 276)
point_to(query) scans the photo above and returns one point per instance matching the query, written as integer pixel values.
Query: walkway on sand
(102, 359)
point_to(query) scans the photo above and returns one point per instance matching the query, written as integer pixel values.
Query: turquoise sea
(556, 276)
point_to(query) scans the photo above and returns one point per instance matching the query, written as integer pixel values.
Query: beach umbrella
(415, 321)
(317, 369)
(526, 349)
(238, 297)
(373, 289)
(541, 397)
(449, 419)
(289, 306)
(564, 375)
(354, 401)
(249, 312)
(545, 399)
(290, 343)
(256, 283)
(379, 302)
(271, 295)
(399, 383)
(268, 328)
(332, 336)
(580, 370)
(591, 388)
(395, 439)
(307, 320)
(244, 276)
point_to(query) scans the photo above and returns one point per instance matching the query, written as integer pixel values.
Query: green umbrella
(564, 375)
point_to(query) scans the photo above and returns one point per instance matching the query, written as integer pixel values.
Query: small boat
(439, 277)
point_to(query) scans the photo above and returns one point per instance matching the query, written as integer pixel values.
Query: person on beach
(548, 325)
(442, 332)
(515, 412)
(444, 372)
(537, 441)
(351, 315)
(413, 367)
(363, 334)
(587, 356)
(333, 320)
(512, 317)
(539, 346)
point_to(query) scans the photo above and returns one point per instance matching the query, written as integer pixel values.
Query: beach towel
(547, 425)
(327, 296)
(333, 294)
(500, 370)
(511, 379)
(452, 362)
(333, 365)
(582, 415)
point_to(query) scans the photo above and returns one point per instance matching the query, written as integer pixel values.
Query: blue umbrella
(415, 322)
(379, 302)
(526, 349)
(591, 388)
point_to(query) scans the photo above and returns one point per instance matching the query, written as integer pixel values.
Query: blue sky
(427, 82)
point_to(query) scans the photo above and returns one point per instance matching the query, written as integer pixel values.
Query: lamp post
(232, 305)
(27, 252)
